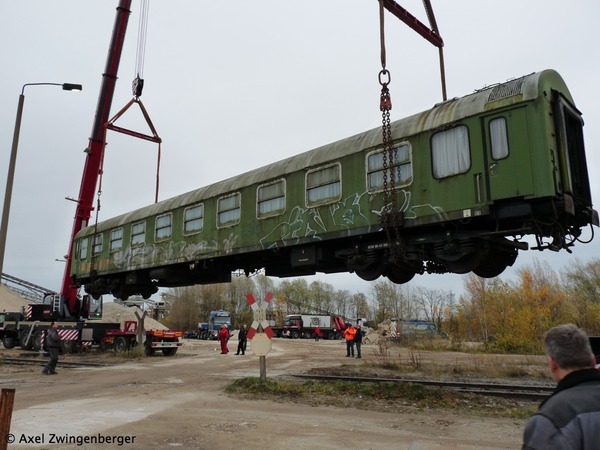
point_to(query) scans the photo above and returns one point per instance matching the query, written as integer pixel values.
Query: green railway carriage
(458, 190)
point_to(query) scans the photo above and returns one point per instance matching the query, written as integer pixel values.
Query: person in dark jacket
(52, 345)
(358, 340)
(242, 340)
(570, 417)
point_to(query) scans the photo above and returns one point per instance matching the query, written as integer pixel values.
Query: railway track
(43, 361)
(520, 391)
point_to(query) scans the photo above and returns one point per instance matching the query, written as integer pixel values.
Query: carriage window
(323, 185)
(399, 164)
(193, 219)
(116, 239)
(229, 210)
(270, 199)
(450, 153)
(97, 246)
(499, 138)
(83, 249)
(138, 233)
(163, 227)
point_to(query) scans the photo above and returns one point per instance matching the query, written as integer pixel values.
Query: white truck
(303, 326)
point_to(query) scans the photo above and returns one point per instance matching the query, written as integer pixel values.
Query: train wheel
(496, 263)
(370, 272)
(147, 292)
(463, 265)
(399, 275)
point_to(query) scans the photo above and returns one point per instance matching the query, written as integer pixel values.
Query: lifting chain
(390, 217)
(389, 197)
(97, 216)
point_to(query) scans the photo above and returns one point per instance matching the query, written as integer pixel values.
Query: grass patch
(387, 396)
(395, 360)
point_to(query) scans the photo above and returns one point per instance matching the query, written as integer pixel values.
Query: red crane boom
(95, 149)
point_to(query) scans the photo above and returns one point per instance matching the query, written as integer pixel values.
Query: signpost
(260, 332)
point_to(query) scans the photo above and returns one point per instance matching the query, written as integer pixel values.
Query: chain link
(385, 105)
(391, 218)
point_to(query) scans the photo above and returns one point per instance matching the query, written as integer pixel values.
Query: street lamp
(13, 159)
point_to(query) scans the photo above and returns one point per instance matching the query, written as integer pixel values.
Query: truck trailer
(28, 328)
(303, 326)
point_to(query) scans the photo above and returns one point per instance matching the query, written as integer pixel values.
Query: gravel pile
(113, 312)
(9, 301)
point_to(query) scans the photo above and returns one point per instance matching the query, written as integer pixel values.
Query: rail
(522, 391)
(42, 362)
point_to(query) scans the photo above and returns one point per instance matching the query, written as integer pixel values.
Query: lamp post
(13, 160)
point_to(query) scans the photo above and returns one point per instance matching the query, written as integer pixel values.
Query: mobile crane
(75, 314)
(70, 304)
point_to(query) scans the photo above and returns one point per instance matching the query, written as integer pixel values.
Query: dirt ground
(178, 402)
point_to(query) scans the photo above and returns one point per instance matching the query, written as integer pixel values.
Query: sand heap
(9, 301)
(113, 312)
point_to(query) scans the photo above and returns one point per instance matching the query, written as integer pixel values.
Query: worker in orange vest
(349, 334)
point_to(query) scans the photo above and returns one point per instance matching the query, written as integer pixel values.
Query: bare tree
(476, 288)
(360, 306)
(342, 303)
(433, 304)
(235, 293)
(185, 308)
(263, 285)
(322, 296)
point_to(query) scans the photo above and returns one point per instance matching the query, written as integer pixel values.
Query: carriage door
(508, 157)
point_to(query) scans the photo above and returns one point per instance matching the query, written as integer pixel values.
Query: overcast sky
(234, 85)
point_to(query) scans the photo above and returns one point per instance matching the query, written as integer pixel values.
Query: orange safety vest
(349, 333)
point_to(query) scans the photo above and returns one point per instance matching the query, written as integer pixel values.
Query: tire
(121, 344)
(148, 350)
(38, 340)
(8, 342)
(169, 351)
(67, 346)
(331, 336)
(295, 335)
(23, 337)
